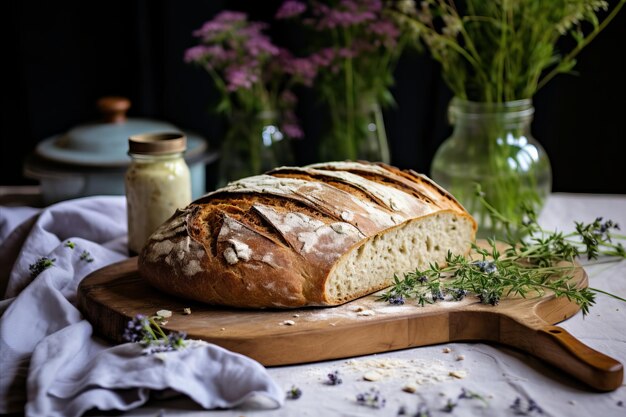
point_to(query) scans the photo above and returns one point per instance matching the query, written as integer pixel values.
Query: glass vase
(491, 145)
(253, 145)
(357, 132)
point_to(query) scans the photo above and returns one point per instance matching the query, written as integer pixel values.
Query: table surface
(497, 373)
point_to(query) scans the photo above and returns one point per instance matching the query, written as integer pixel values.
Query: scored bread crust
(275, 240)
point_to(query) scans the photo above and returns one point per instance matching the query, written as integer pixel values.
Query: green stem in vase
(381, 134)
(351, 151)
(491, 145)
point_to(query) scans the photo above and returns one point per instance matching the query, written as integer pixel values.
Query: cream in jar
(157, 183)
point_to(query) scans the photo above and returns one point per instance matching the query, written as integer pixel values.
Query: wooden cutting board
(112, 296)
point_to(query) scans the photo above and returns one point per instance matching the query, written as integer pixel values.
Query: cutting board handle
(559, 348)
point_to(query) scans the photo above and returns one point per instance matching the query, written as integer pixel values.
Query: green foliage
(503, 50)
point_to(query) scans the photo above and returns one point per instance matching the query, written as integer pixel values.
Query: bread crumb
(333, 324)
(163, 322)
(366, 313)
(296, 315)
(186, 311)
(338, 228)
(287, 323)
(372, 376)
(347, 216)
(460, 357)
(410, 387)
(446, 350)
(223, 328)
(458, 374)
(572, 402)
(164, 313)
(358, 308)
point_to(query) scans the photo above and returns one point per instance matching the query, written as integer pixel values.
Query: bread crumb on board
(446, 350)
(186, 311)
(410, 388)
(460, 357)
(164, 313)
(372, 376)
(366, 313)
(287, 323)
(458, 374)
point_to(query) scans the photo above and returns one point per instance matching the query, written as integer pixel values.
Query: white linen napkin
(52, 364)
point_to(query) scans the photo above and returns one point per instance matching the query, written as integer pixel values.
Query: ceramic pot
(92, 159)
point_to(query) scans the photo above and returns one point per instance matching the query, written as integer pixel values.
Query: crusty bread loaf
(318, 235)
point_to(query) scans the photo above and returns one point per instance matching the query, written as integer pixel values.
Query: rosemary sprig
(541, 261)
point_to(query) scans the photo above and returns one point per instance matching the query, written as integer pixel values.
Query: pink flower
(259, 44)
(220, 56)
(346, 53)
(385, 28)
(240, 77)
(346, 13)
(324, 57)
(222, 22)
(304, 69)
(229, 16)
(195, 53)
(290, 8)
(240, 56)
(387, 31)
(292, 130)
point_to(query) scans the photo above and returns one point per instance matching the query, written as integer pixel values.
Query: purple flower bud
(290, 8)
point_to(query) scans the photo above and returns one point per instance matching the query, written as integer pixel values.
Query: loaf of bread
(319, 235)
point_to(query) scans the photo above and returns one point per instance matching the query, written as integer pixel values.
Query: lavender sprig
(525, 408)
(41, 265)
(86, 256)
(371, 398)
(294, 393)
(145, 331)
(334, 378)
(422, 411)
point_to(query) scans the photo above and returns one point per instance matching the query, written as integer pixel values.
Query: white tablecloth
(498, 373)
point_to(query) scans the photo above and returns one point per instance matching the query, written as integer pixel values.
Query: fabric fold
(53, 365)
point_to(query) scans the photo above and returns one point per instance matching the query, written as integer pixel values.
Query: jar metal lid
(157, 143)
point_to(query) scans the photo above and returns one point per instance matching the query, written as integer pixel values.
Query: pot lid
(105, 143)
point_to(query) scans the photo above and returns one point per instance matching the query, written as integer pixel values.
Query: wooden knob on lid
(113, 108)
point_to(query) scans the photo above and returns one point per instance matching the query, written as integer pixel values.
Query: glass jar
(157, 183)
(356, 132)
(491, 145)
(253, 145)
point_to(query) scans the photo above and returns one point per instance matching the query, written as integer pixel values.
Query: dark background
(59, 57)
